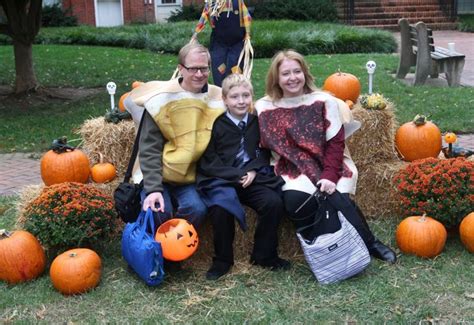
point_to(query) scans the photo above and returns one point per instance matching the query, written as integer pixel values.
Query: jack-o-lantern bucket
(178, 238)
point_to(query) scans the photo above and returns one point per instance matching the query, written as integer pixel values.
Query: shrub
(441, 188)
(466, 23)
(70, 215)
(55, 16)
(185, 13)
(314, 10)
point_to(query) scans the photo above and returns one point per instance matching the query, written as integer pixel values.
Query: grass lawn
(414, 290)
(92, 67)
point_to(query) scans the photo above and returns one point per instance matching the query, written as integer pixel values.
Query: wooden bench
(418, 49)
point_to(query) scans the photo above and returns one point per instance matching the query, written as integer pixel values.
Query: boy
(234, 170)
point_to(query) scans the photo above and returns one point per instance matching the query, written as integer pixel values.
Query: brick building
(369, 13)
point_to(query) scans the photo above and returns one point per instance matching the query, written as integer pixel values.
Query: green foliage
(441, 188)
(186, 13)
(267, 37)
(55, 16)
(69, 215)
(466, 23)
(309, 10)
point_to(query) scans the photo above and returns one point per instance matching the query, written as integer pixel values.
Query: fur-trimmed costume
(298, 130)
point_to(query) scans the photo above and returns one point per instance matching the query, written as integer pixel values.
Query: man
(177, 121)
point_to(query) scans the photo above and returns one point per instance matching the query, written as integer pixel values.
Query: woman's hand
(151, 202)
(248, 179)
(327, 186)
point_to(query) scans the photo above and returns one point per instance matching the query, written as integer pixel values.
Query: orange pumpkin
(64, 163)
(450, 137)
(136, 84)
(178, 238)
(21, 256)
(418, 139)
(343, 85)
(76, 271)
(466, 232)
(103, 172)
(121, 100)
(422, 236)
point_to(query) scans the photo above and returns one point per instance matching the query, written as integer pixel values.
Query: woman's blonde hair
(235, 80)
(272, 87)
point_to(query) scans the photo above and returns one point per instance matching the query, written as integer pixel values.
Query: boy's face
(238, 101)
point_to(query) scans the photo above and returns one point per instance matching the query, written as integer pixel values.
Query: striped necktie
(240, 157)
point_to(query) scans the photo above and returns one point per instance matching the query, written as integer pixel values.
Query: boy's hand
(248, 179)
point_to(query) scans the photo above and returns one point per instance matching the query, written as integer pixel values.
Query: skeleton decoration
(370, 65)
(111, 88)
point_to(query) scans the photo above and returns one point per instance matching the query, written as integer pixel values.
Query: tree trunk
(25, 74)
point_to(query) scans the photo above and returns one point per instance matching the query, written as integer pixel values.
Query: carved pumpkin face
(178, 238)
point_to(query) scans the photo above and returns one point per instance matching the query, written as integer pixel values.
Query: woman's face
(291, 78)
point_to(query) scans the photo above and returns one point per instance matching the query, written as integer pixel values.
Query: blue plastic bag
(141, 251)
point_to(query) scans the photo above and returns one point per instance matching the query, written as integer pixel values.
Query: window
(168, 1)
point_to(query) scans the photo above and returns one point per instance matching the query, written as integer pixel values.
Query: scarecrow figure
(230, 47)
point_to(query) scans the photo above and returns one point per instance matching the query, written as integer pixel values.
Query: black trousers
(269, 207)
(306, 216)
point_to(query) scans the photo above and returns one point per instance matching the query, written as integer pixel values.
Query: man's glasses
(194, 70)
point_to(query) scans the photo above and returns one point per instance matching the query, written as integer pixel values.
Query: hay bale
(374, 142)
(376, 194)
(114, 141)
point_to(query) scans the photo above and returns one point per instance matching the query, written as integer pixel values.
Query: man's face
(195, 71)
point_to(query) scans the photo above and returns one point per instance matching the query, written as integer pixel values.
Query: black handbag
(127, 195)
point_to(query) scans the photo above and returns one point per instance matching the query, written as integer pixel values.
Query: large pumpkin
(422, 236)
(76, 271)
(343, 85)
(178, 238)
(103, 172)
(418, 139)
(21, 256)
(466, 232)
(64, 163)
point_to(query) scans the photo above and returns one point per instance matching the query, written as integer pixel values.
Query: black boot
(382, 252)
(217, 270)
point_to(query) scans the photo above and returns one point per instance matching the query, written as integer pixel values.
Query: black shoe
(382, 252)
(274, 264)
(217, 270)
(172, 266)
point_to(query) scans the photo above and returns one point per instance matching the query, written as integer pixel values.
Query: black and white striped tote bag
(336, 256)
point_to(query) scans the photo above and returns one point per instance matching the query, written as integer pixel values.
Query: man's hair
(235, 80)
(199, 48)
(272, 87)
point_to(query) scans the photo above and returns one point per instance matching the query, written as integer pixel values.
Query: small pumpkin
(418, 139)
(421, 235)
(103, 172)
(76, 271)
(466, 232)
(178, 238)
(22, 257)
(136, 84)
(343, 86)
(64, 163)
(121, 100)
(450, 138)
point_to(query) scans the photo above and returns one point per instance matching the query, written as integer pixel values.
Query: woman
(306, 130)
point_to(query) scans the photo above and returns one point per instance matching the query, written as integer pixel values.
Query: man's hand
(246, 180)
(151, 202)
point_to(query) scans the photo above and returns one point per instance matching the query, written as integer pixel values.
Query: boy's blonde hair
(235, 80)
(272, 87)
